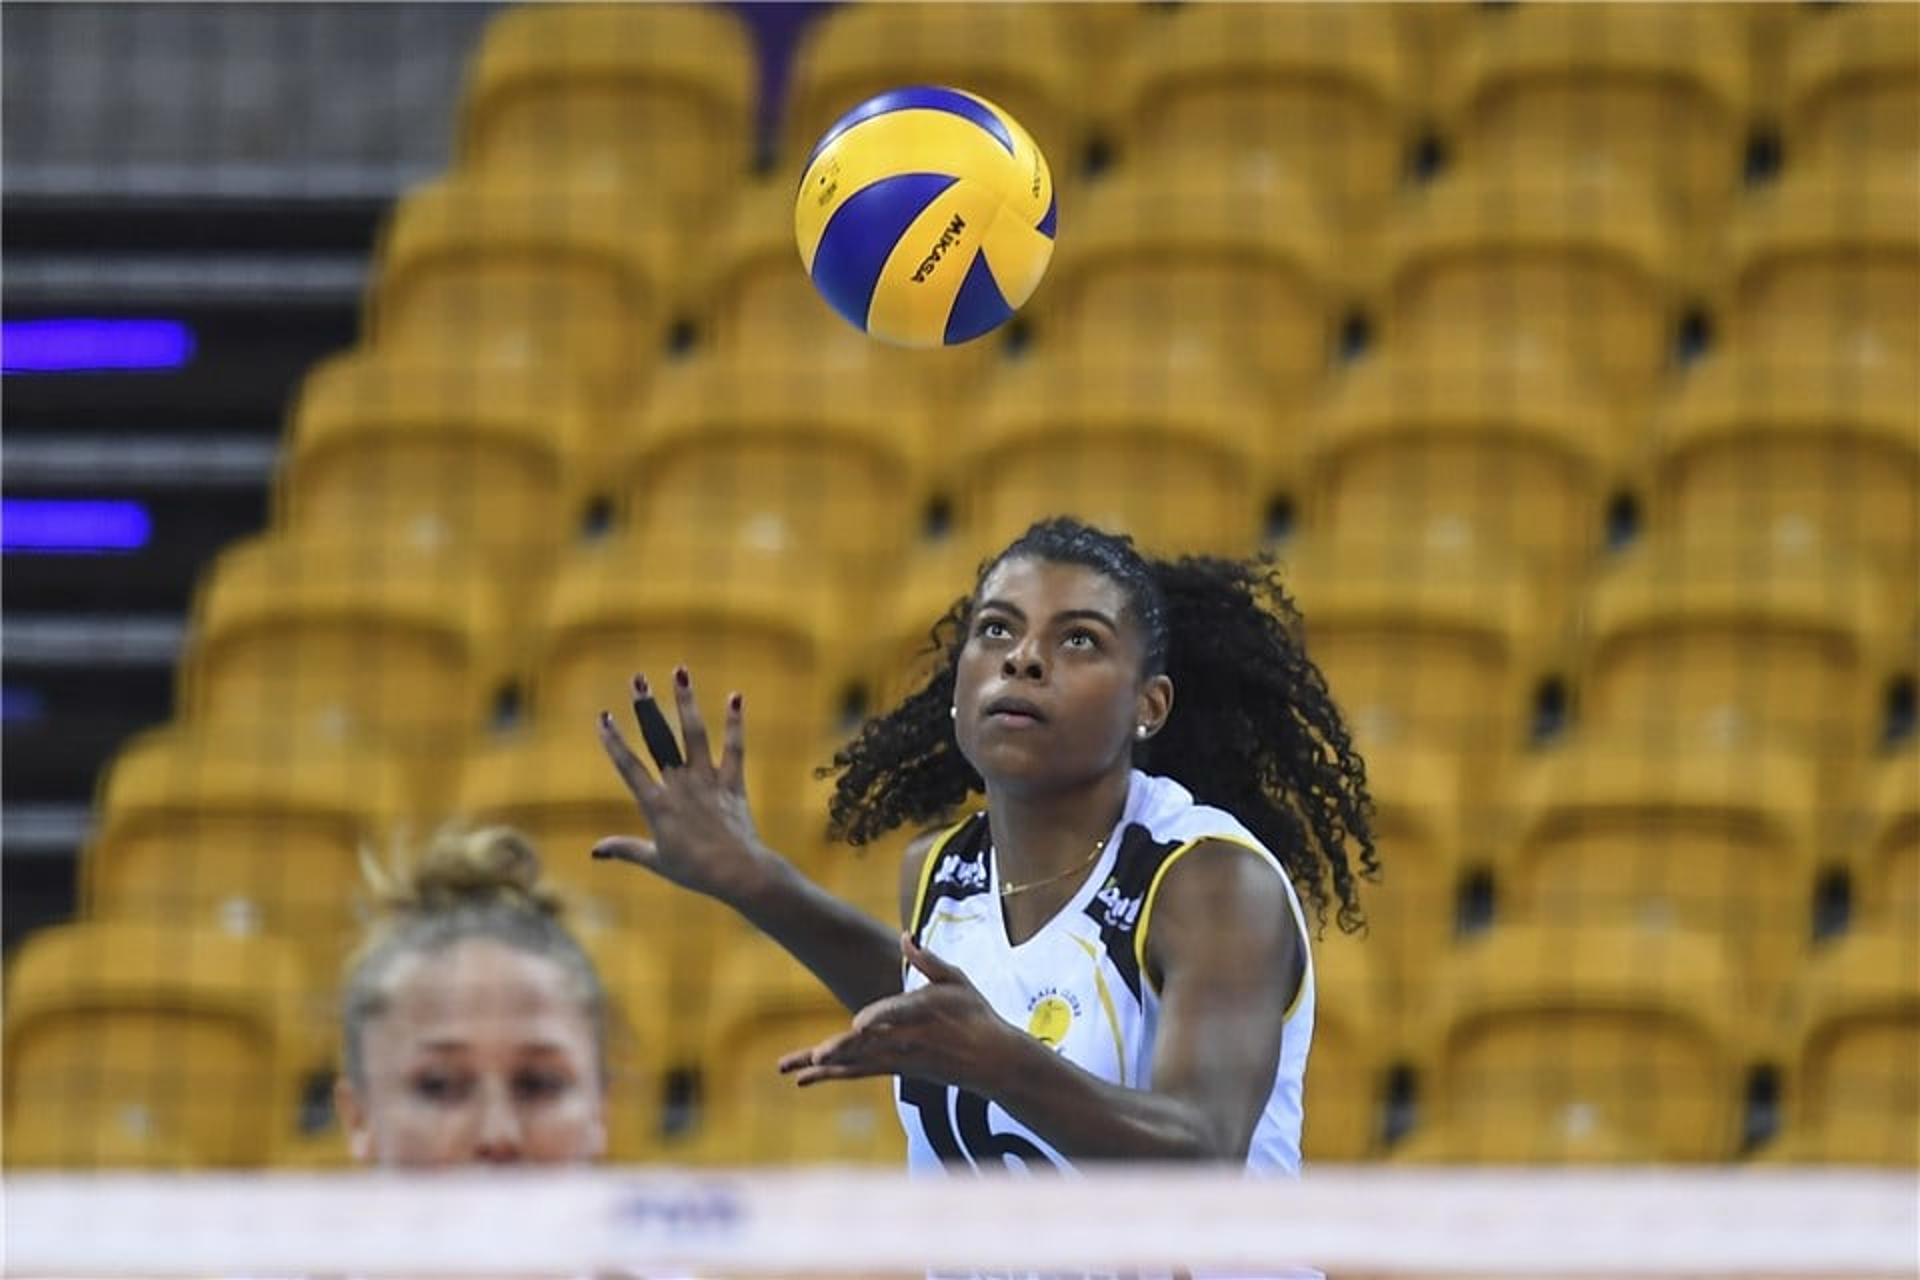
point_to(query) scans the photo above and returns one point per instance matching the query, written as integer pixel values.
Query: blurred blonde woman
(474, 1025)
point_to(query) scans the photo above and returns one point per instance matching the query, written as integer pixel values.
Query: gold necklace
(1008, 890)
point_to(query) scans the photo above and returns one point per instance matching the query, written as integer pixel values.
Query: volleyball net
(1340, 1222)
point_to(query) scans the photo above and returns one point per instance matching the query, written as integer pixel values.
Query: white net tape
(832, 1222)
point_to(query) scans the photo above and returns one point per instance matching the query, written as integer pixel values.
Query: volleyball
(926, 216)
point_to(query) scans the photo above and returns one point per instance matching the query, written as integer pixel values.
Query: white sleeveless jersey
(1079, 984)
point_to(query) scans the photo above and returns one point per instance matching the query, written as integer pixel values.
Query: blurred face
(485, 1055)
(1048, 691)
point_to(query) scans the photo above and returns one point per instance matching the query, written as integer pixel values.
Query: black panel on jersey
(959, 868)
(1116, 906)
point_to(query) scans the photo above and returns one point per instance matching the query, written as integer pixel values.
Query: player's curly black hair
(1253, 730)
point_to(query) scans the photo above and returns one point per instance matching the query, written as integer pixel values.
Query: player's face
(484, 1055)
(1048, 690)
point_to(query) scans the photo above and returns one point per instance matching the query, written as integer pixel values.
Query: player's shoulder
(918, 865)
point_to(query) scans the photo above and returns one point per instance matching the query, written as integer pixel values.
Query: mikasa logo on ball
(948, 238)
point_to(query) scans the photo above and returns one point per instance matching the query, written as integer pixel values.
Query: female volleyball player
(1110, 959)
(473, 1022)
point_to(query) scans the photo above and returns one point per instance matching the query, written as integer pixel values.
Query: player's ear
(1153, 706)
(353, 1119)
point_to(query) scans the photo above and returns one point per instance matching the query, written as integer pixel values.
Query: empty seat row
(1439, 643)
(1797, 444)
(1577, 261)
(1591, 1044)
(1335, 94)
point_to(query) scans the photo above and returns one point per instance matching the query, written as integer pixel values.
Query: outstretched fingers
(654, 729)
(693, 728)
(640, 782)
(851, 1055)
(733, 750)
(641, 853)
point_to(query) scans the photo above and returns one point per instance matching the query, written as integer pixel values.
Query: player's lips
(1014, 711)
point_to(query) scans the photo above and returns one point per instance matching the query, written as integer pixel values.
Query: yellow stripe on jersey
(1106, 1007)
(1153, 891)
(926, 874)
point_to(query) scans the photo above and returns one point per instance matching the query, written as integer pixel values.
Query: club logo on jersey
(967, 873)
(1117, 912)
(1050, 1015)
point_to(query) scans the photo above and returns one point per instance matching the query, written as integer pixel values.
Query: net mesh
(389, 383)
(1337, 1222)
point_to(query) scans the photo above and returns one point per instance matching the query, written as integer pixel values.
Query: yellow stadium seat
(1418, 830)
(1841, 243)
(1659, 90)
(1790, 443)
(247, 833)
(743, 454)
(741, 624)
(765, 1005)
(1887, 886)
(342, 640)
(323, 1149)
(643, 1041)
(1438, 648)
(1446, 439)
(752, 290)
(867, 877)
(1015, 56)
(1720, 840)
(1572, 1137)
(152, 1046)
(1853, 82)
(1320, 89)
(1547, 1039)
(1854, 1096)
(1224, 247)
(656, 100)
(1346, 1081)
(1582, 263)
(1169, 449)
(439, 455)
(527, 275)
(1741, 643)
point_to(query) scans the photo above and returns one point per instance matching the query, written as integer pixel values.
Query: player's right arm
(704, 840)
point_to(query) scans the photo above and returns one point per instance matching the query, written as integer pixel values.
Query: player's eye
(538, 1086)
(440, 1087)
(993, 629)
(1081, 639)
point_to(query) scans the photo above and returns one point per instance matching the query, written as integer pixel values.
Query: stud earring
(953, 713)
(1140, 731)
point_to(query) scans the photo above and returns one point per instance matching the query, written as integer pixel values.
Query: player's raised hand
(703, 833)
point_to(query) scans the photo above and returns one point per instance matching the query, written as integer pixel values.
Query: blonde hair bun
(466, 867)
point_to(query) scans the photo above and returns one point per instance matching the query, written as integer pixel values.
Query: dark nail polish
(606, 718)
(598, 852)
(640, 689)
(733, 703)
(681, 678)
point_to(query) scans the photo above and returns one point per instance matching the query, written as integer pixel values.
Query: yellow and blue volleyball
(926, 216)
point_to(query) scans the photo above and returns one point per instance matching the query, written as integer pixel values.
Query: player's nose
(498, 1139)
(1024, 660)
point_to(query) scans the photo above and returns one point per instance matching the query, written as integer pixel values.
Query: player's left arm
(1225, 952)
(1222, 949)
